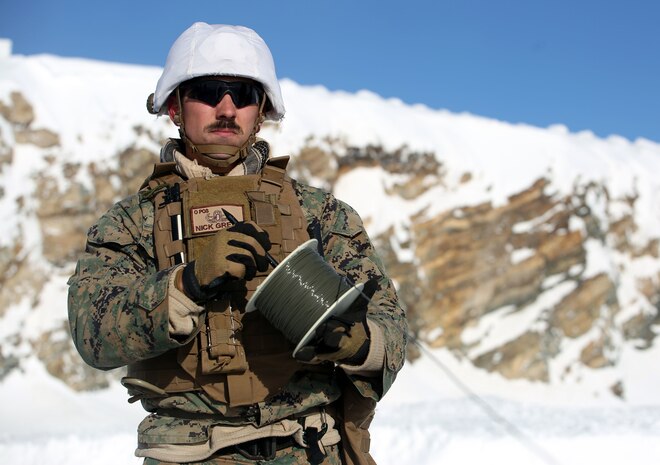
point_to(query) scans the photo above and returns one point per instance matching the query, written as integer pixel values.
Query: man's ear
(173, 110)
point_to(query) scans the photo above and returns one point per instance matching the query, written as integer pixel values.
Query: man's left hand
(341, 339)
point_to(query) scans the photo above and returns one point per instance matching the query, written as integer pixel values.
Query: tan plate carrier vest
(237, 358)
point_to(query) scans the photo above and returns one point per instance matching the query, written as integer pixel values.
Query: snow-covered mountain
(528, 258)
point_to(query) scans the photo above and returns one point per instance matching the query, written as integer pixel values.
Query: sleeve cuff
(375, 360)
(183, 312)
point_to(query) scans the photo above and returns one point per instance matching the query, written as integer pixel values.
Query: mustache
(224, 123)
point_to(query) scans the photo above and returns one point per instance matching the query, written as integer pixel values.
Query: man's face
(223, 123)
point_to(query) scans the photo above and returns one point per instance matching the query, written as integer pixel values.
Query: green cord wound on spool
(301, 293)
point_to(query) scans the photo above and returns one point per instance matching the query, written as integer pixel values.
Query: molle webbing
(276, 203)
(162, 184)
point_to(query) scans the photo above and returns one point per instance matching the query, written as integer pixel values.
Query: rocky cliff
(548, 283)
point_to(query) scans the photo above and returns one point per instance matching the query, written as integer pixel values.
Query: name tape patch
(211, 219)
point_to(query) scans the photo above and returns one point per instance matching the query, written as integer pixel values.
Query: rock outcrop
(526, 259)
(466, 272)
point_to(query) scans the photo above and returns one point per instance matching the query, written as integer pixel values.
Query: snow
(520, 255)
(427, 418)
(441, 410)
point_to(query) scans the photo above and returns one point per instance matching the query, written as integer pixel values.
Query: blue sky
(587, 64)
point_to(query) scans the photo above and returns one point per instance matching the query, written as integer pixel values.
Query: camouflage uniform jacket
(118, 313)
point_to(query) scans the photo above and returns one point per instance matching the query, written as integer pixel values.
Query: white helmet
(219, 50)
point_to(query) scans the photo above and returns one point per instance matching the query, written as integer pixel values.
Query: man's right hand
(237, 252)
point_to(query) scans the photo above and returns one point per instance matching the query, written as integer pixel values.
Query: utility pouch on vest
(222, 351)
(168, 219)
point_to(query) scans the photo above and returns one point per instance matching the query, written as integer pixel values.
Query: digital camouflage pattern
(118, 315)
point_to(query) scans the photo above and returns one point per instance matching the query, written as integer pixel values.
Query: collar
(173, 151)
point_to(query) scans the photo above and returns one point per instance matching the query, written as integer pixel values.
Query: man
(165, 280)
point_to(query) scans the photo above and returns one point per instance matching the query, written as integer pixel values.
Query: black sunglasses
(242, 93)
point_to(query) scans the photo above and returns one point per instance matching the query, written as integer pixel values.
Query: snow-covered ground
(427, 418)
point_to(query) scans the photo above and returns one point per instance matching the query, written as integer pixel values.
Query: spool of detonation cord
(301, 293)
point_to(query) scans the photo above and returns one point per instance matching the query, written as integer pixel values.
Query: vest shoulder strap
(273, 175)
(163, 173)
(167, 208)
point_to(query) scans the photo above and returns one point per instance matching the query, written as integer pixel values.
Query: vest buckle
(258, 449)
